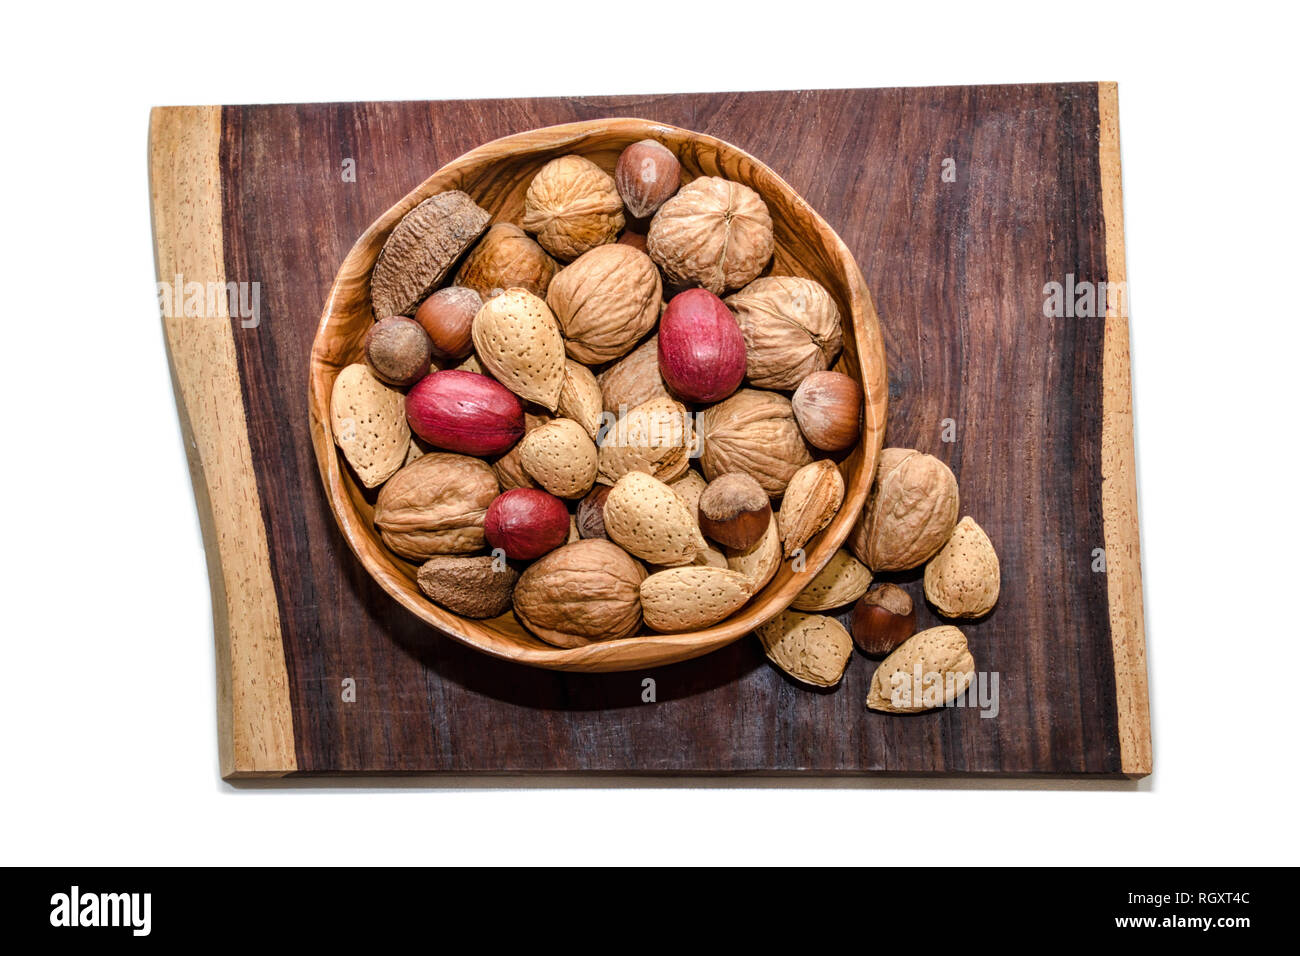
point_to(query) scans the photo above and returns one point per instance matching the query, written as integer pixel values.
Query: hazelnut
(647, 174)
(571, 206)
(882, 619)
(701, 349)
(734, 511)
(526, 523)
(507, 258)
(591, 513)
(447, 317)
(633, 238)
(398, 350)
(828, 408)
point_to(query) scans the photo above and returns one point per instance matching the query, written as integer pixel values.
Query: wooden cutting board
(961, 204)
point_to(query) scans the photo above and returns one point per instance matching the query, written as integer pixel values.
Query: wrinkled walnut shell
(435, 505)
(714, 233)
(571, 206)
(910, 513)
(581, 593)
(507, 258)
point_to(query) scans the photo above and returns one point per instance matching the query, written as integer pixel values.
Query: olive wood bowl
(496, 175)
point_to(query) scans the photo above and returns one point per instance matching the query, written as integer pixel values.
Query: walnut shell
(580, 593)
(753, 432)
(571, 206)
(791, 327)
(421, 249)
(436, 505)
(910, 513)
(605, 301)
(714, 233)
(633, 380)
(507, 258)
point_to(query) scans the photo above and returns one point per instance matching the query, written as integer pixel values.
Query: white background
(108, 729)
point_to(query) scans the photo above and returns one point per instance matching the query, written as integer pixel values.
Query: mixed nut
(593, 439)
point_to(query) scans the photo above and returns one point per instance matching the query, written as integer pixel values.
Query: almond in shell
(760, 562)
(689, 598)
(647, 518)
(655, 438)
(580, 398)
(811, 648)
(811, 499)
(841, 582)
(963, 579)
(368, 419)
(560, 457)
(931, 668)
(517, 340)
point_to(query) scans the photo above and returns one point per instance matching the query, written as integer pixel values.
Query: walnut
(436, 505)
(714, 233)
(571, 206)
(753, 433)
(579, 593)
(507, 258)
(791, 328)
(605, 301)
(910, 513)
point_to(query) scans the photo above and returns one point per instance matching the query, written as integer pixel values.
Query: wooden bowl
(496, 175)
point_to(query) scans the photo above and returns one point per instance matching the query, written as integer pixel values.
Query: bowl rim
(643, 650)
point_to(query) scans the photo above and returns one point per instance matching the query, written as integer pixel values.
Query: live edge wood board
(961, 205)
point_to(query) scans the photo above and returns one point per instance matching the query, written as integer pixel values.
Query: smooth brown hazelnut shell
(447, 317)
(734, 511)
(882, 619)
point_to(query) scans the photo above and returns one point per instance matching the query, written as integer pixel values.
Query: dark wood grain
(957, 270)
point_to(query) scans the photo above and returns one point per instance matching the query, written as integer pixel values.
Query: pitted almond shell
(580, 397)
(810, 648)
(929, 669)
(841, 582)
(647, 518)
(811, 499)
(560, 457)
(655, 438)
(760, 562)
(369, 423)
(518, 342)
(689, 487)
(964, 578)
(690, 598)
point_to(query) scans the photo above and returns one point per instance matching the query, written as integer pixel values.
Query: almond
(758, 564)
(841, 582)
(811, 499)
(810, 648)
(518, 341)
(686, 599)
(580, 397)
(931, 668)
(655, 438)
(689, 487)
(509, 469)
(963, 579)
(560, 457)
(369, 423)
(647, 518)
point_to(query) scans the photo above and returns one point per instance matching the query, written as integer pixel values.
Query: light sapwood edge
(1118, 470)
(254, 720)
